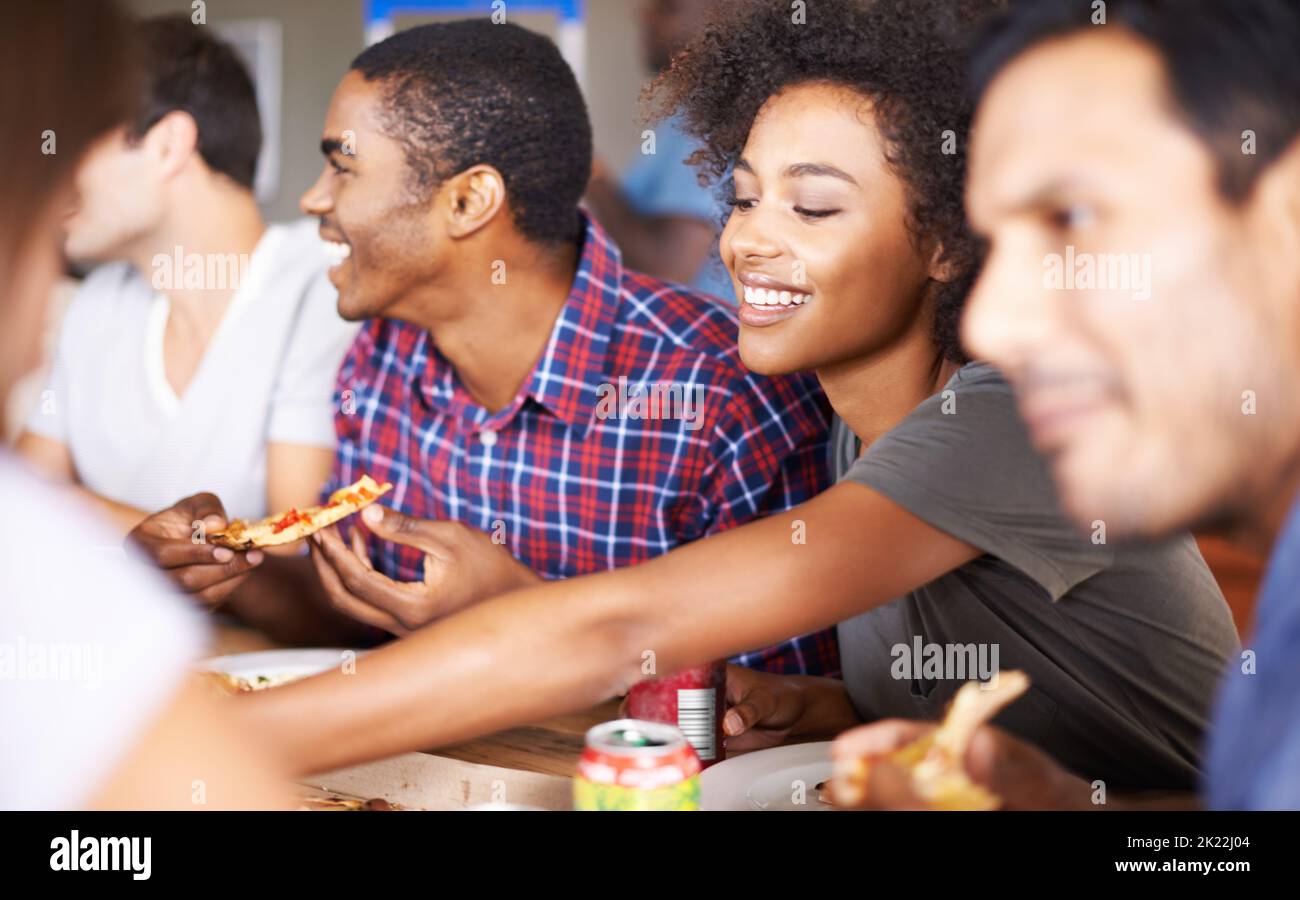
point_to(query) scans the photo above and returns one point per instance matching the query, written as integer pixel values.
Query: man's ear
(174, 140)
(1276, 197)
(473, 198)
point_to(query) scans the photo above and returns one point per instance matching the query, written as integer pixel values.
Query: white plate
(768, 780)
(276, 664)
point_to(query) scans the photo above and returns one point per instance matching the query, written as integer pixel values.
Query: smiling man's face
(1167, 398)
(382, 236)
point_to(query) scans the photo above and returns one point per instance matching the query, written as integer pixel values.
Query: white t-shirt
(267, 376)
(93, 644)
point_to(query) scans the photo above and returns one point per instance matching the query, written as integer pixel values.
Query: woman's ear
(941, 269)
(473, 199)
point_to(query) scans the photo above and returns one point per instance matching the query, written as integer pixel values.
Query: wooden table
(532, 765)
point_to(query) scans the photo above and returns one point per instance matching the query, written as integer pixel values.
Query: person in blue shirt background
(1171, 133)
(664, 221)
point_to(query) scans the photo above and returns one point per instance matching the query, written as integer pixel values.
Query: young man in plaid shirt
(541, 411)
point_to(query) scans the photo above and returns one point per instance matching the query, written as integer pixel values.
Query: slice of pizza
(935, 762)
(225, 683)
(299, 523)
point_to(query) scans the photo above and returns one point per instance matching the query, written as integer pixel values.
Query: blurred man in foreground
(96, 708)
(1167, 141)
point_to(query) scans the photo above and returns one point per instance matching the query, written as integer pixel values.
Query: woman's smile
(767, 301)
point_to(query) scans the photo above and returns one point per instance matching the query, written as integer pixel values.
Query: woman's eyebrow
(798, 170)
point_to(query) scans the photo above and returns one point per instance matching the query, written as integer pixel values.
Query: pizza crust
(295, 524)
(935, 763)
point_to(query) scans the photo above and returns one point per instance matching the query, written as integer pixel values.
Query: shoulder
(298, 275)
(695, 341)
(966, 439)
(293, 267)
(110, 299)
(108, 291)
(976, 401)
(980, 379)
(295, 249)
(677, 316)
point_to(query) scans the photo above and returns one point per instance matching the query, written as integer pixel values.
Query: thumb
(400, 528)
(206, 507)
(753, 707)
(890, 787)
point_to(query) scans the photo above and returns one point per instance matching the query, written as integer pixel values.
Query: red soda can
(631, 765)
(693, 700)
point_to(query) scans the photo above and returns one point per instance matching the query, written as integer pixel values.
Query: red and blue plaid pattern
(570, 488)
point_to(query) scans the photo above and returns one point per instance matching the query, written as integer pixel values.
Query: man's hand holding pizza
(1023, 776)
(461, 567)
(175, 540)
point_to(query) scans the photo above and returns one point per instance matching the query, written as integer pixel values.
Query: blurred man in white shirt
(201, 355)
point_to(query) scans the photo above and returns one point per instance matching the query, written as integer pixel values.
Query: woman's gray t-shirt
(1124, 642)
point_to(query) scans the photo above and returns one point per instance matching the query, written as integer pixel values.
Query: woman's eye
(815, 213)
(1072, 218)
(741, 203)
(337, 168)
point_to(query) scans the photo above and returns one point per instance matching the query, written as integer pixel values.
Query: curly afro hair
(471, 92)
(907, 57)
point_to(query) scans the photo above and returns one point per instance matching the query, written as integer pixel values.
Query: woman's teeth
(756, 296)
(337, 252)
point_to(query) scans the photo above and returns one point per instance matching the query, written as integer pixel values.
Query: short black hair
(906, 56)
(1231, 65)
(188, 68)
(471, 92)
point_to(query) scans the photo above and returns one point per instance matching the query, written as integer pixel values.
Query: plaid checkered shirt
(638, 430)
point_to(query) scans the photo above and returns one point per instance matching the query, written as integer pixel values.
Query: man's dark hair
(467, 93)
(1231, 65)
(189, 68)
(904, 56)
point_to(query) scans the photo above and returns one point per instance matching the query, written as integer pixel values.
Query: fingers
(886, 786)
(204, 506)
(208, 572)
(360, 549)
(343, 601)
(739, 680)
(754, 707)
(176, 553)
(1021, 774)
(357, 578)
(879, 738)
(890, 787)
(215, 595)
(353, 589)
(194, 579)
(391, 525)
(177, 522)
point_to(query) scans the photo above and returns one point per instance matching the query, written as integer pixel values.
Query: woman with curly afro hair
(838, 139)
(838, 128)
